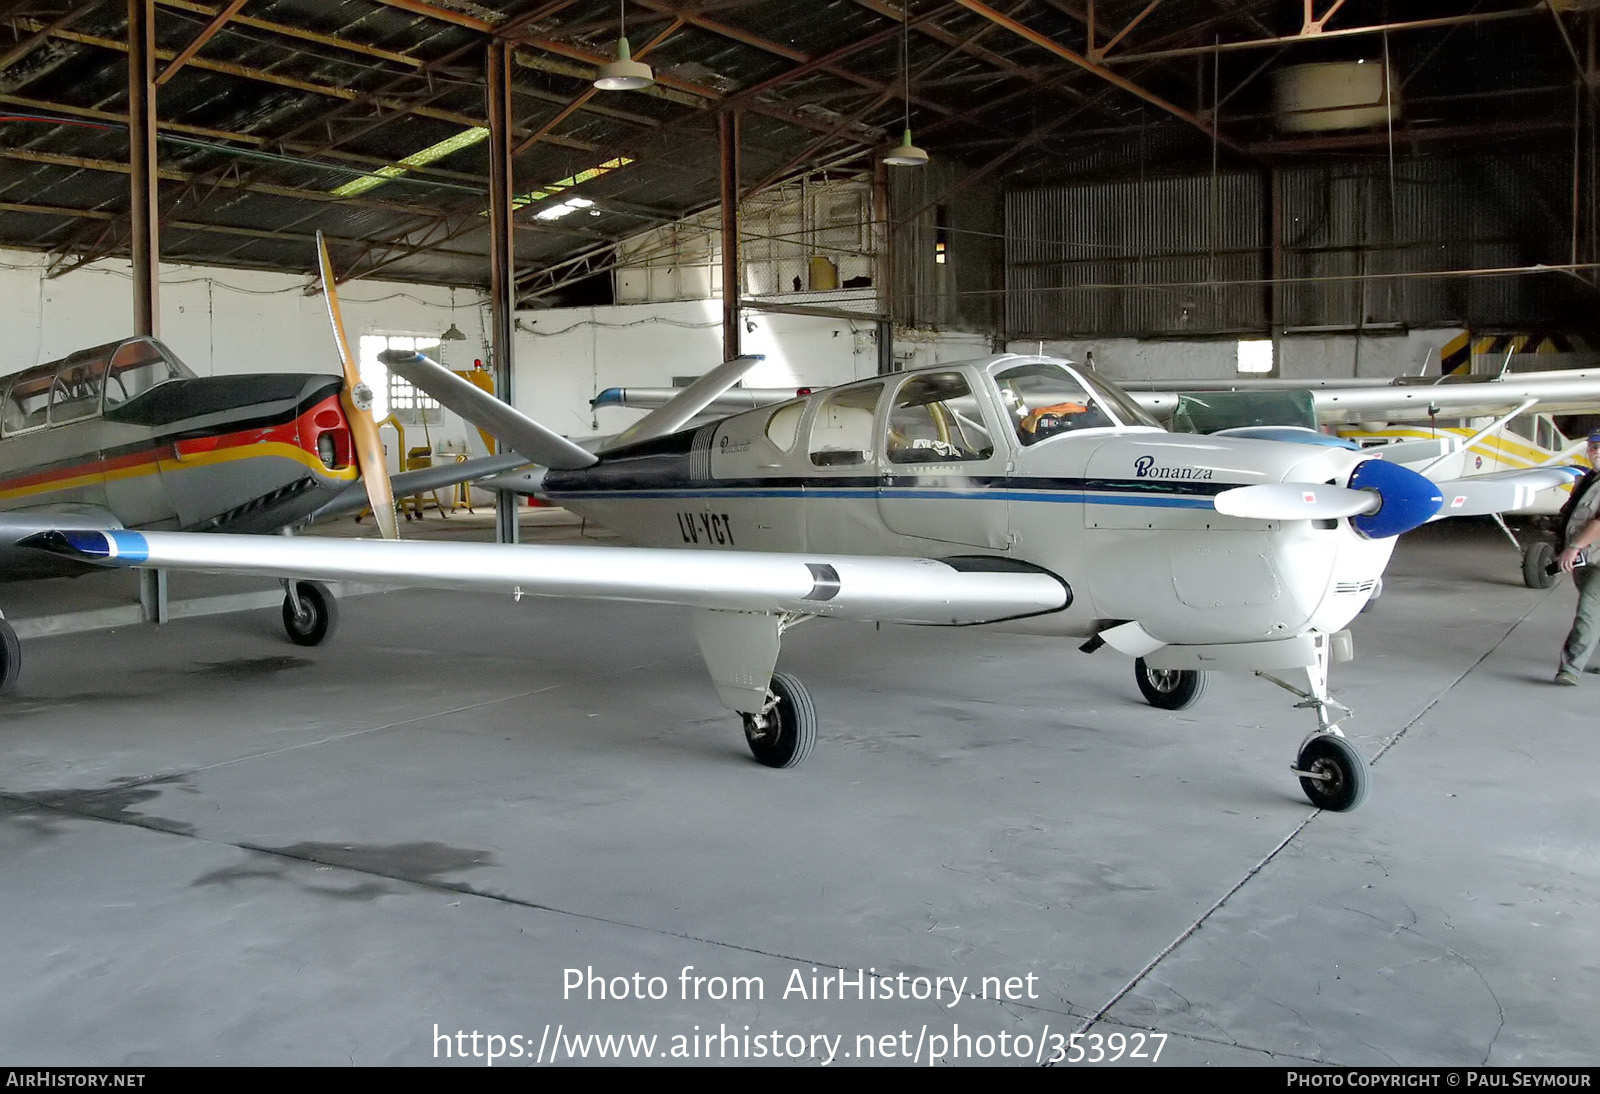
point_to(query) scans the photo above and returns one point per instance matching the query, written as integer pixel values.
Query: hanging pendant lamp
(623, 74)
(906, 154)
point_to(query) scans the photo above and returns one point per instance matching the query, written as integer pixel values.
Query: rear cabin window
(841, 434)
(935, 419)
(27, 403)
(784, 425)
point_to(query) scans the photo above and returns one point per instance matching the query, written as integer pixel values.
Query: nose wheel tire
(1535, 561)
(783, 734)
(317, 617)
(1169, 689)
(1332, 773)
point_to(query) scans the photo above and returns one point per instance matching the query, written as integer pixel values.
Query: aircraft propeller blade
(1296, 501)
(357, 400)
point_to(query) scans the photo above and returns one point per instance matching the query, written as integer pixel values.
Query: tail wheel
(1332, 773)
(783, 734)
(1169, 689)
(1538, 557)
(317, 617)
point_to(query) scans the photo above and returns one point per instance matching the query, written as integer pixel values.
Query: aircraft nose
(1409, 499)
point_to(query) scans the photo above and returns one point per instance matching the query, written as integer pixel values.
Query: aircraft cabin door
(942, 470)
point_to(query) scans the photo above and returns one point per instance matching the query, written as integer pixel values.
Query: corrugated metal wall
(1191, 255)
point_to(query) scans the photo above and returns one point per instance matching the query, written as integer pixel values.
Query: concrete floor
(216, 847)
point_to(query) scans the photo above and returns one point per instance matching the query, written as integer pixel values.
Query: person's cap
(1594, 438)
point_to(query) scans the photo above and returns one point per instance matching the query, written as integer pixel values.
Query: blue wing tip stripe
(114, 548)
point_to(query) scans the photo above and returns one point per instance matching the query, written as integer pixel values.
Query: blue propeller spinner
(1409, 499)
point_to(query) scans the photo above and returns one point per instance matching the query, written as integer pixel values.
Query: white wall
(230, 321)
(217, 320)
(567, 356)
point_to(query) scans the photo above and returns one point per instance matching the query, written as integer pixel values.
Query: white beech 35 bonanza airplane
(1015, 492)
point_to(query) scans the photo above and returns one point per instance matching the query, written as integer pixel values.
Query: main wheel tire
(10, 656)
(320, 614)
(1539, 554)
(1343, 771)
(1169, 689)
(784, 736)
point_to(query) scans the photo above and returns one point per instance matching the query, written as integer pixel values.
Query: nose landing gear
(1332, 773)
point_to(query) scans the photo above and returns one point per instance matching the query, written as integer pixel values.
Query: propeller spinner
(356, 397)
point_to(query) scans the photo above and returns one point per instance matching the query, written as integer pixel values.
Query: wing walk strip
(871, 589)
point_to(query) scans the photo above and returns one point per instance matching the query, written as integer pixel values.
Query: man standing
(1580, 530)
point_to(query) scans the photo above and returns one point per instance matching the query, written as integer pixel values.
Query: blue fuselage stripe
(869, 494)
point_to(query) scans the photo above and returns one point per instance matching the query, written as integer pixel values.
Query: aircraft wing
(18, 524)
(947, 592)
(353, 498)
(519, 432)
(1499, 491)
(1357, 400)
(730, 401)
(678, 411)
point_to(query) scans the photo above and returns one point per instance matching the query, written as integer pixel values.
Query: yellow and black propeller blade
(357, 400)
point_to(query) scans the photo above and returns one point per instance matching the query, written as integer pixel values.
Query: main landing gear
(1536, 562)
(783, 732)
(310, 613)
(10, 655)
(1170, 689)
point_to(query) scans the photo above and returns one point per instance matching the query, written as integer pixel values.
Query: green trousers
(1585, 633)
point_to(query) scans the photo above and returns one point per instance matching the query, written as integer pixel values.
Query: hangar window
(391, 393)
(1255, 357)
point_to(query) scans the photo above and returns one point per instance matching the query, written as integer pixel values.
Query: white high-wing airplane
(1016, 492)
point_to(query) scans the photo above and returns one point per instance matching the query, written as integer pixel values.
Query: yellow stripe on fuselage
(259, 449)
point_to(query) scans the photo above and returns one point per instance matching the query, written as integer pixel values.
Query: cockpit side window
(936, 419)
(1044, 401)
(75, 390)
(841, 433)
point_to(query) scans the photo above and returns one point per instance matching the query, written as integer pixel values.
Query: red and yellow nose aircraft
(126, 436)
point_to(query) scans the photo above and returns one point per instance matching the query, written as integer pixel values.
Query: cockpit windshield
(138, 365)
(1045, 400)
